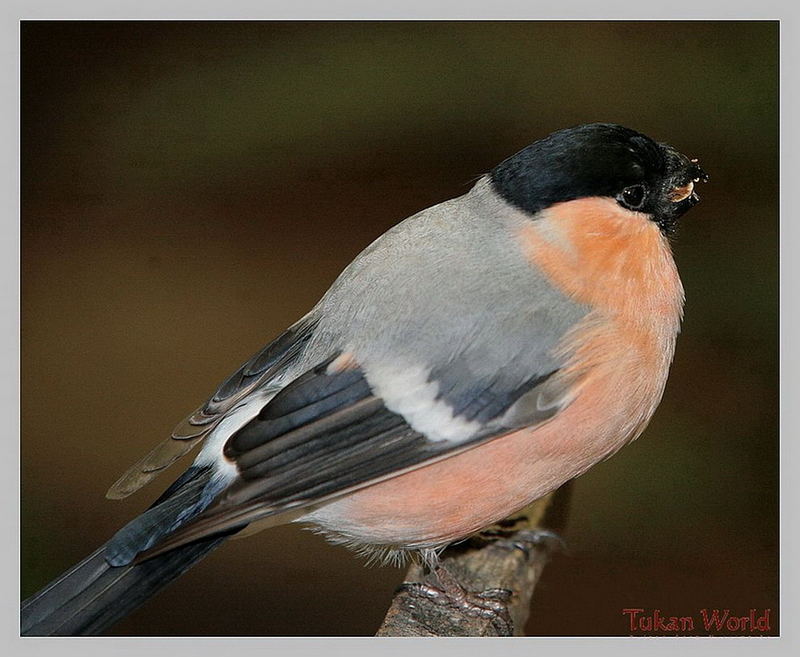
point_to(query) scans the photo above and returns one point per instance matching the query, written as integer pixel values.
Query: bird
(472, 359)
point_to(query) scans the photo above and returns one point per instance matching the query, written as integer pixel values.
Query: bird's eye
(632, 197)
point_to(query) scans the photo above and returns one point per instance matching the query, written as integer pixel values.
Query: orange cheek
(602, 255)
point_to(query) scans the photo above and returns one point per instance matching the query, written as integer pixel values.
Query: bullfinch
(470, 360)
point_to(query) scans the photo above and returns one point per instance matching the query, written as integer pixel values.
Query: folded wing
(328, 433)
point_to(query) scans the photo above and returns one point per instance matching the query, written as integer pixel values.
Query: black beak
(678, 194)
(684, 184)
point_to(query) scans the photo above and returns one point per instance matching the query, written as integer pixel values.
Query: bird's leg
(491, 604)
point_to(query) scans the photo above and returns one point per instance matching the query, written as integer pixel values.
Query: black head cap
(601, 159)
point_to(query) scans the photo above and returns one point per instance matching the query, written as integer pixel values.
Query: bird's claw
(491, 604)
(526, 539)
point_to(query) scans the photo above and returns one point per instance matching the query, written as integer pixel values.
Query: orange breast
(618, 263)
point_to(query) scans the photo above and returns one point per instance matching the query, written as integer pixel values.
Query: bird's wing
(258, 372)
(329, 432)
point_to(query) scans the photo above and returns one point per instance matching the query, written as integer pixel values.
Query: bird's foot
(491, 604)
(534, 538)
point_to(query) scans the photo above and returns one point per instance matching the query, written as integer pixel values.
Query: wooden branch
(509, 557)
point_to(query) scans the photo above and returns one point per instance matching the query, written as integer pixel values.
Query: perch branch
(506, 556)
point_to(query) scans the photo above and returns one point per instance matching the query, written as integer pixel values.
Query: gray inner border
(16, 10)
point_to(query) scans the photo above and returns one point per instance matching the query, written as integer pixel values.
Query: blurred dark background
(190, 189)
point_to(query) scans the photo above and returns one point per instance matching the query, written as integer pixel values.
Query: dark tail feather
(108, 584)
(93, 595)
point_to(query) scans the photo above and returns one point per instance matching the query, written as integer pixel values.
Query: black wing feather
(329, 423)
(324, 434)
